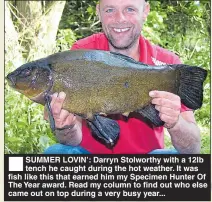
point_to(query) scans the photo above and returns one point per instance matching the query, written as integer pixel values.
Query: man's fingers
(169, 120)
(57, 104)
(54, 98)
(71, 119)
(163, 94)
(66, 119)
(62, 120)
(166, 103)
(167, 111)
(62, 117)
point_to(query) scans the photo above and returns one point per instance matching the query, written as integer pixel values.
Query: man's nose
(120, 17)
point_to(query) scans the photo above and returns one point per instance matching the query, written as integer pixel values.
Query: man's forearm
(72, 135)
(185, 137)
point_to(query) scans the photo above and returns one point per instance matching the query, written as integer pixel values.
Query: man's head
(122, 21)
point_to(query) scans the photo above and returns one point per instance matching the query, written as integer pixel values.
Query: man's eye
(109, 10)
(130, 10)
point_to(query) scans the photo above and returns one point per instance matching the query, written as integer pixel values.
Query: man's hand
(71, 135)
(62, 117)
(184, 132)
(168, 105)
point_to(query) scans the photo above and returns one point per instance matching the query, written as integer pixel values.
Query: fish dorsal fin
(125, 57)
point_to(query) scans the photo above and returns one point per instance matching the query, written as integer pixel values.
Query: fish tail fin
(105, 130)
(191, 80)
(190, 89)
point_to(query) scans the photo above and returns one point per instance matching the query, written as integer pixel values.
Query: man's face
(122, 21)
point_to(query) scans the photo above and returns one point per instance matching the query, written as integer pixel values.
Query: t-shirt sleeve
(85, 43)
(75, 46)
(176, 60)
(184, 108)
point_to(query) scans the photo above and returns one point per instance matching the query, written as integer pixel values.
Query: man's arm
(185, 134)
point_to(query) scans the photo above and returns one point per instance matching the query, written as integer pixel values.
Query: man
(122, 22)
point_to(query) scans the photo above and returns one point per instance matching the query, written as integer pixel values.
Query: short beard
(133, 42)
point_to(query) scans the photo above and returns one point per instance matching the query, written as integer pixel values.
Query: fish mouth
(11, 80)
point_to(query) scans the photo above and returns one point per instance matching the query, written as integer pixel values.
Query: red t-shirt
(136, 137)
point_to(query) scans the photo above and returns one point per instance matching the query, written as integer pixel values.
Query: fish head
(31, 79)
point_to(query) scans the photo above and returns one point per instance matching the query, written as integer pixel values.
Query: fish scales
(97, 87)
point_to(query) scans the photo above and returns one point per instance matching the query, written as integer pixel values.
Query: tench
(99, 83)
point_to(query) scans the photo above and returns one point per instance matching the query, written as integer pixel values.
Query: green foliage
(65, 38)
(80, 16)
(205, 143)
(25, 129)
(180, 26)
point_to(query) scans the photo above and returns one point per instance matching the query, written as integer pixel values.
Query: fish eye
(26, 72)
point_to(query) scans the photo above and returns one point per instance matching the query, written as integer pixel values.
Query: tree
(30, 33)
(32, 26)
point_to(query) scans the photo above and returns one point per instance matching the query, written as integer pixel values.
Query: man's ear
(98, 11)
(146, 11)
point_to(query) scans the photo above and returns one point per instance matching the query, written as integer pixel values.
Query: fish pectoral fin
(105, 130)
(151, 114)
(126, 114)
(49, 110)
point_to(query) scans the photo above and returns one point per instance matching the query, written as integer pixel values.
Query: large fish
(101, 82)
